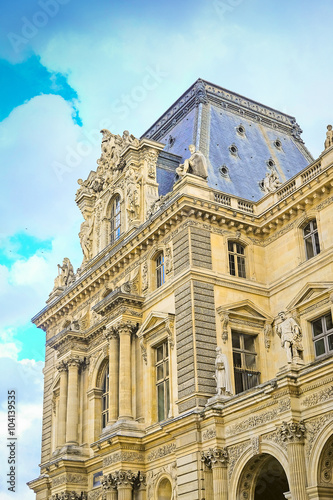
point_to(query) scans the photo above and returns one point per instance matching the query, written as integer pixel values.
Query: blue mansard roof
(241, 139)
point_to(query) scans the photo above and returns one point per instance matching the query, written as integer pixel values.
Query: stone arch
(245, 460)
(163, 489)
(106, 215)
(262, 474)
(101, 364)
(319, 445)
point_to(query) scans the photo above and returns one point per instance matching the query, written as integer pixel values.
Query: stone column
(139, 484)
(293, 434)
(208, 475)
(124, 484)
(219, 460)
(110, 487)
(73, 401)
(125, 375)
(61, 421)
(113, 338)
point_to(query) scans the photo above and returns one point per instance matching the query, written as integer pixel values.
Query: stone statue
(271, 182)
(65, 274)
(85, 238)
(291, 338)
(195, 165)
(129, 139)
(222, 374)
(329, 137)
(133, 194)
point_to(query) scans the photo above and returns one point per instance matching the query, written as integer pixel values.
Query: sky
(69, 68)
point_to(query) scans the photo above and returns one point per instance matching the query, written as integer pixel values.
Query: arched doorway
(263, 478)
(164, 490)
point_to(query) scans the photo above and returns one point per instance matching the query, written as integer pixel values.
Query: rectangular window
(245, 361)
(160, 277)
(162, 381)
(322, 331)
(311, 239)
(236, 254)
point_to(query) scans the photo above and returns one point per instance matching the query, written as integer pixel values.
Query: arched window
(311, 239)
(115, 219)
(105, 397)
(236, 254)
(160, 276)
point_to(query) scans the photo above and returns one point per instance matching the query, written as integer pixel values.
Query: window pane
(166, 364)
(252, 380)
(232, 268)
(249, 343)
(236, 340)
(167, 402)
(241, 267)
(314, 224)
(159, 353)
(238, 382)
(160, 399)
(330, 342)
(250, 361)
(316, 242)
(166, 349)
(328, 321)
(159, 374)
(230, 246)
(307, 229)
(317, 327)
(309, 247)
(320, 347)
(240, 249)
(237, 359)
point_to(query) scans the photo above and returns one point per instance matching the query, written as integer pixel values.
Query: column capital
(215, 457)
(75, 361)
(124, 327)
(62, 366)
(109, 482)
(292, 432)
(111, 333)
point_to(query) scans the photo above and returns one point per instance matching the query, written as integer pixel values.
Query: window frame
(323, 336)
(115, 219)
(164, 381)
(239, 269)
(313, 236)
(243, 370)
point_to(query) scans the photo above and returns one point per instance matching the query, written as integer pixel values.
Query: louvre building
(190, 356)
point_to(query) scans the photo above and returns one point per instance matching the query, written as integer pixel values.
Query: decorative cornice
(116, 298)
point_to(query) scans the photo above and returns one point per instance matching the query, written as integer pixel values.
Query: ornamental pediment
(245, 309)
(155, 321)
(311, 291)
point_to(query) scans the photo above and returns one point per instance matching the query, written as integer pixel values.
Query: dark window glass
(322, 331)
(160, 278)
(105, 397)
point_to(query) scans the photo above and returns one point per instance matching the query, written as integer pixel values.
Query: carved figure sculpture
(196, 164)
(85, 238)
(271, 182)
(222, 374)
(329, 137)
(65, 274)
(291, 338)
(133, 194)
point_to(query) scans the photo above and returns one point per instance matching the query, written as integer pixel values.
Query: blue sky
(69, 68)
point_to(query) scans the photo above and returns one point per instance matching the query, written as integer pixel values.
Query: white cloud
(26, 378)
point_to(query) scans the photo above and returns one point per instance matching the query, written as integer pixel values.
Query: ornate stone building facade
(190, 356)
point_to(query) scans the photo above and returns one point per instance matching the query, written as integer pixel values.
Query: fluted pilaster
(113, 338)
(208, 475)
(73, 400)
(219, 461)
(62, 408)
(125, 331)
(293, 434)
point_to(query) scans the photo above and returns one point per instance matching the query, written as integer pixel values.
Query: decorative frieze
(276, 438)
(123, 456)
(252, 422)
(209, 434)
(74, 478)
(284, 405)
(314, 427)
(235, 452)
(70, 495)
(161, 452)
(318, 397)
